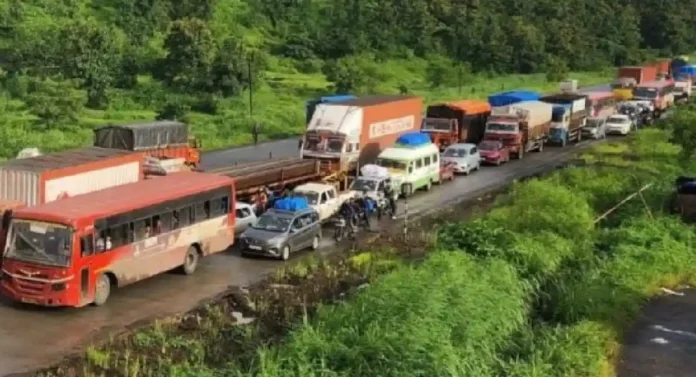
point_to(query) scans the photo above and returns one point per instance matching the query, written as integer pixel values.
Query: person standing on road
(389, 195)
(255, 131)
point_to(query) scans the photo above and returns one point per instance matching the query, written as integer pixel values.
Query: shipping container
(311, 105)
(640, 74)
(512, 97)
(533, 113)
(354, 132)
(42, 179)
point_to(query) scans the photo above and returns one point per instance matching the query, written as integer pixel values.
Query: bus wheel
(190, 261)
(102, 291)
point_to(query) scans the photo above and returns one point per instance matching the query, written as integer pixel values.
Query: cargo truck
(163, 139)
(522, 127)
(456, 122)
(349, 134)
(311, 105)
(629, 77)
(659, 92)
(512, 97)
(568, 117)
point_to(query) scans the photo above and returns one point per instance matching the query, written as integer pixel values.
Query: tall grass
(448, 316)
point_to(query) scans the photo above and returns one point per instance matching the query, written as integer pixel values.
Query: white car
(245, 216)
(322, 198)
(464, 156)
(619, 124)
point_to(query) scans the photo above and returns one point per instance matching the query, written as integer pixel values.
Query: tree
(556, 69)
(353, 74)
(190, 52)
(232, 67)
(91, 54)
(173, 110)
(54, 104)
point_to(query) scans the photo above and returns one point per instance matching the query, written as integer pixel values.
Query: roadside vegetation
(71, 65)
(543, 284)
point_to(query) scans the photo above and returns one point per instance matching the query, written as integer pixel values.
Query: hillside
(70, 65)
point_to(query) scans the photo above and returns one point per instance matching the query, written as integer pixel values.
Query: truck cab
(323, 198)
(443, 132)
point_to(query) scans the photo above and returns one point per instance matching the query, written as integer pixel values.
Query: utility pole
(251, 88)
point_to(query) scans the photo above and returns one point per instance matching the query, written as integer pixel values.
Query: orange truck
(628, 78)
(163, 139)
(454, 122)
(349, 134)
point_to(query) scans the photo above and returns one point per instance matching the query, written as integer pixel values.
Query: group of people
(358, 210)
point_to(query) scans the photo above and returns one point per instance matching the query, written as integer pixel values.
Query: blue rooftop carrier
(685, 70)
(413, 140)
(291, 204)
(513, 97)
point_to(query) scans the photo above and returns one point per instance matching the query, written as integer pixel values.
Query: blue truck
(312, 104)
(568, 117)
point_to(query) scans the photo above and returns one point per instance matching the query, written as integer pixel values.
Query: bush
(452, 322)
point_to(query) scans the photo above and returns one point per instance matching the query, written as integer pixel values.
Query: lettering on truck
(391, 126)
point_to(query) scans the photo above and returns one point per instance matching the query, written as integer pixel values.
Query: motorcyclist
(389, 195)
(367, 205)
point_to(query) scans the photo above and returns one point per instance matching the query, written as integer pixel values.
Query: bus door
(84, 265)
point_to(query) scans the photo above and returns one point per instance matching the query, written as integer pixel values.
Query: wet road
(61, 332)
(662, 342)
(276, 149)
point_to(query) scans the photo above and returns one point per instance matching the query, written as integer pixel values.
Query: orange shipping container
(358, 129)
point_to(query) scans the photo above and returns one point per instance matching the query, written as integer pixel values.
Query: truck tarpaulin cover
(685, 70)
(510, 98)
(140, 136)
(296, 203)
(413, 139)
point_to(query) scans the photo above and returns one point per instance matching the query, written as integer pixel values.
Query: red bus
(72, 252)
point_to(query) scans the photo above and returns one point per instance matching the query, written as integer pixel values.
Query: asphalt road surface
(662, 343)
(32, 338)
(275, 149)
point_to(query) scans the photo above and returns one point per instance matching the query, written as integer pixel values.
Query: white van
(412, 168)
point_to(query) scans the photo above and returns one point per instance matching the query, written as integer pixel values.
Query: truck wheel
(102, 291)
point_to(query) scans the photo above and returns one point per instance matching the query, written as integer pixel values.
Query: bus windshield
(40, 242)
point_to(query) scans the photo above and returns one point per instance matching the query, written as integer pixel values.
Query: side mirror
(293, 230)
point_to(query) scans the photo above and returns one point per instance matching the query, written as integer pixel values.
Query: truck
(348, 134)
(523, 126)
(311, 105)
(164, 139)
(628, 77)
(42, 179)
(512, 97)
(274, 174)
(682, 90)
(456, 122)
(568, 117)
(323, 198)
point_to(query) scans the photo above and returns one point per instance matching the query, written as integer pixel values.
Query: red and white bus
(72, 252)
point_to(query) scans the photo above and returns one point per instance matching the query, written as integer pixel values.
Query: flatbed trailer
(276, 174)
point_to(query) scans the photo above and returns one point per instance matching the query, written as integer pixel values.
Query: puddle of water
(659, 340)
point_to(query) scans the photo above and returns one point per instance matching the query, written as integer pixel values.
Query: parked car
(464, 156)
(595, 128)
(494, 152)
(290, 226)
(619, 124)
(245, 216)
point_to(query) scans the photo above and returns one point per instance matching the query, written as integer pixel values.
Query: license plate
(254, 247)
(29, 301)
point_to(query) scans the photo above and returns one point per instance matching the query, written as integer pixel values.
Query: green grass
(278, 103)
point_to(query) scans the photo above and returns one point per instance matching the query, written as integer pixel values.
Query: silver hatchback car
(277, 233)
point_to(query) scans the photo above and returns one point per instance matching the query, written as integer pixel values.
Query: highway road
(276, 149)
(31, 338)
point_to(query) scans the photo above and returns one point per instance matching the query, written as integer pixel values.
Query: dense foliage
(69, 65)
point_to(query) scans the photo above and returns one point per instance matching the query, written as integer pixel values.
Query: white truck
(323, 198)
